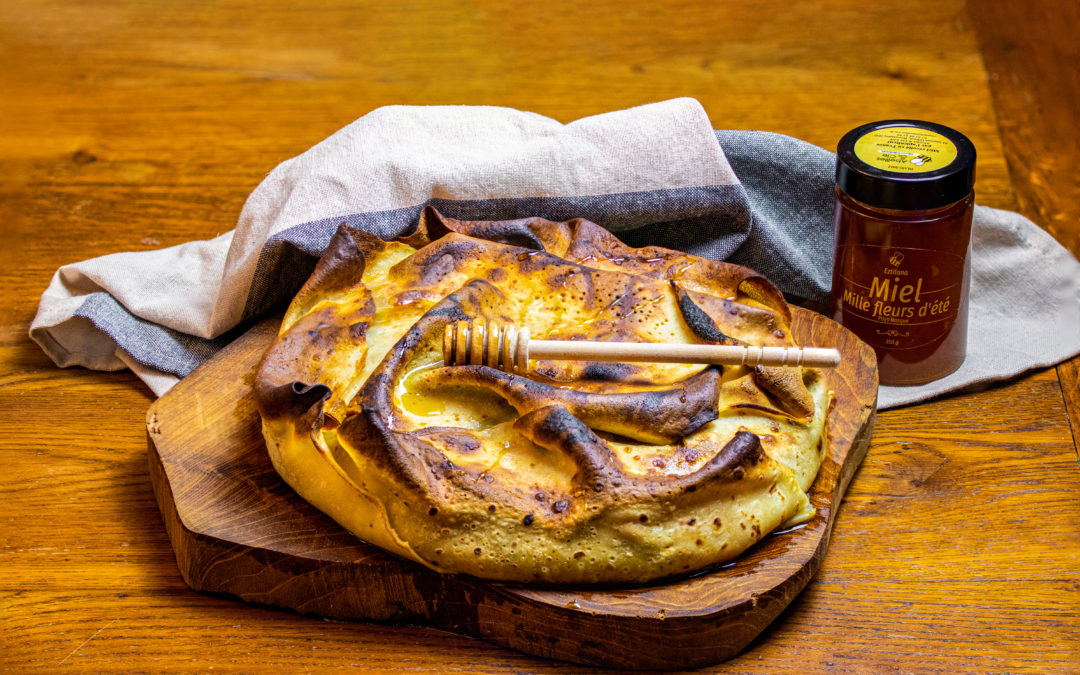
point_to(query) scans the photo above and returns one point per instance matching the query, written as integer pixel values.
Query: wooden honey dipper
(509, 348)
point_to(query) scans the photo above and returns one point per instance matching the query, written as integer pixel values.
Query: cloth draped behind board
(657, 174)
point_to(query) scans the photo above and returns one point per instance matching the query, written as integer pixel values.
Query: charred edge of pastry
(288, 367)
(754, 324)
(286, 372)
(408, 460)
(340, 268)
(585, 239)
(294, 400)
(600, 474)
(699, 320)
(370, 429)
(358, 330)
(433, 225)
(429, 228)
(742, 451)
(576, 240)
(556, 428)
(762, 290)
(608, 372)
(664, 416)
(512, 233)
(787, 386)
(433, 263)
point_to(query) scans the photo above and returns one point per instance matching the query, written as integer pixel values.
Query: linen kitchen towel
(655, 174)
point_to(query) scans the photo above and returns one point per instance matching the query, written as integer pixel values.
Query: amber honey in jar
(903, 232)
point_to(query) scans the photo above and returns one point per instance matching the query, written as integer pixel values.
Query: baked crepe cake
(578, 472)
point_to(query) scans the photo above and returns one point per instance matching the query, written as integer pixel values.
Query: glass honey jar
(901, 269)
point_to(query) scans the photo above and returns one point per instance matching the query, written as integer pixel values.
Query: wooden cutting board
(238, 529)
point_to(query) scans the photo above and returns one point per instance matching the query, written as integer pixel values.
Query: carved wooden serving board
(238, 529)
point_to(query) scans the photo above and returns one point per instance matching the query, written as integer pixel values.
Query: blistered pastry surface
(577, 472)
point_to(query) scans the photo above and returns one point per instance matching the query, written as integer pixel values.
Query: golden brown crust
(577, 472)
(333, 307)
(655, 415)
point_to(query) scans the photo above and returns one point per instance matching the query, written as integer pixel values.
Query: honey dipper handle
(728, 355)
(507, 347)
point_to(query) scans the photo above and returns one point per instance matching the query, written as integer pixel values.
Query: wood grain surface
(130, 125)
(238, 529)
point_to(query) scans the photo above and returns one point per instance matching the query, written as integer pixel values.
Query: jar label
(904, 298)
(905, 150)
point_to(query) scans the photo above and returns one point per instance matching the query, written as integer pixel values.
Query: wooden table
(135, 125)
